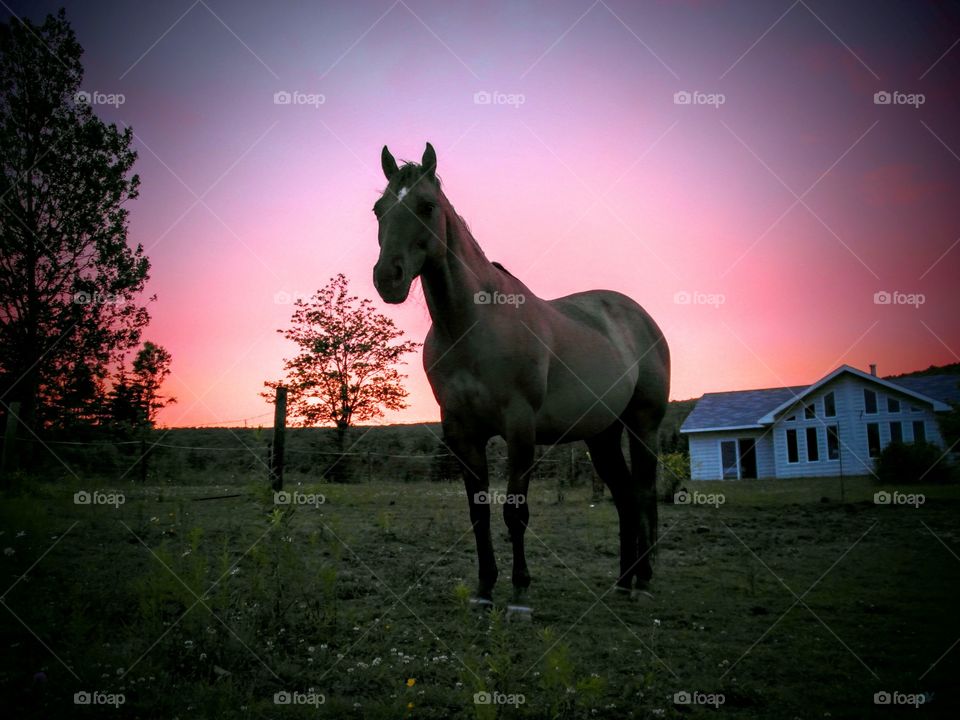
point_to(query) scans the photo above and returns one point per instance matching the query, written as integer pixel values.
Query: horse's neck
(450, 284)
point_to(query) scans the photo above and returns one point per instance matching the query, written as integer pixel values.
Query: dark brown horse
(501, 361)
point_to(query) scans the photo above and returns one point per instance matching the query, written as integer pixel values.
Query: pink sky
(597, 180)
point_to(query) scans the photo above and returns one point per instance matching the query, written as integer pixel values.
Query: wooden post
(8, 461)
(279, 432)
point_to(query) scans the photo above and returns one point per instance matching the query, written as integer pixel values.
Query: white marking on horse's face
(402, 194)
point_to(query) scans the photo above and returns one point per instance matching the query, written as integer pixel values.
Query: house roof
(739, 409)
(945, 388)
(755, 409)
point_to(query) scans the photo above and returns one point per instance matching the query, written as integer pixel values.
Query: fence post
(279, 431)
(8, 461)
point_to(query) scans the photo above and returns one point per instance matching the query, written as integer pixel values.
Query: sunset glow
(756, 217)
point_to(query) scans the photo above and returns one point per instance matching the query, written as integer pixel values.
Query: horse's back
(627, 325)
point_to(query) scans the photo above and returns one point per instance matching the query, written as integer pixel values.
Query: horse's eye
(426, 207)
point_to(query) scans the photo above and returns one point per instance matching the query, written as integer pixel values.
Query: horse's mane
(410, 172)
(502, 269)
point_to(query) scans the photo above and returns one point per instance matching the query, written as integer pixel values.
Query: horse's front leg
(521, 444)
(472, 456)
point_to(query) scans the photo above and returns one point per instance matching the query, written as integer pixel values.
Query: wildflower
(411, 682)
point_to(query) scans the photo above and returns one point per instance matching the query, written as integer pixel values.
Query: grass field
(778, 603)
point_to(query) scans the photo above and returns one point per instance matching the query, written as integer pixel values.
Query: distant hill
(951, 369)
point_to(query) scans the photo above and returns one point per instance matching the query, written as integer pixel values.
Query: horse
(502, 361)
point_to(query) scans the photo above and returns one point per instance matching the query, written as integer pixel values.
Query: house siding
(851, 419)
(705, 453)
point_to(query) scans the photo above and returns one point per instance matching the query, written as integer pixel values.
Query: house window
(896, 432)
(813, 444)
(893, 405)
(919, 431)
(810, 411)
(830, 405)
(728, 458)
(793, 454)
(833, 442)
(869, 402)
(873, 439)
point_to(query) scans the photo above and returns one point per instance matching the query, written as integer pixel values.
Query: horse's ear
(429, 161)
(388, 164)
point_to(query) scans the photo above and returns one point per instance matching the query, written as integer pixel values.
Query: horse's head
(411, 224)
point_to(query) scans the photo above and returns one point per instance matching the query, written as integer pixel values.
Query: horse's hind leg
(642, 425)
(607, 457)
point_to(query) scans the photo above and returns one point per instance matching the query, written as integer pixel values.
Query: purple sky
(583, 173)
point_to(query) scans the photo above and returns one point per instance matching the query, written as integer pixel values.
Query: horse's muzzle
(390, 281)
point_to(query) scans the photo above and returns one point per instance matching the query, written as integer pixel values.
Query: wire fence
(239, 456)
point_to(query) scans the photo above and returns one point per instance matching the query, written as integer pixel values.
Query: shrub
(674, 472)
(901, 463)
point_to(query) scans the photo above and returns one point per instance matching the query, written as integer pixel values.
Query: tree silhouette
(344, 372)
(68, 280)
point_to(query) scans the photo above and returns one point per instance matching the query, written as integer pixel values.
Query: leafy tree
(345, 371)
(135, 398)
(151, 367)
(68, 279)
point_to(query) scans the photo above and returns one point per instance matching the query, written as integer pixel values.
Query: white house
(838, 425)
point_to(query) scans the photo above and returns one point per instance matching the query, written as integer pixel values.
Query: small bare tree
(345, 371)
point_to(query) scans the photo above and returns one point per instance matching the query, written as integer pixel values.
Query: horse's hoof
(641, 594)
(481, 603)
(622, 591)
(521, 613)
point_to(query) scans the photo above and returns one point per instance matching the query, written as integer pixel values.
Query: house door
(748, 458)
